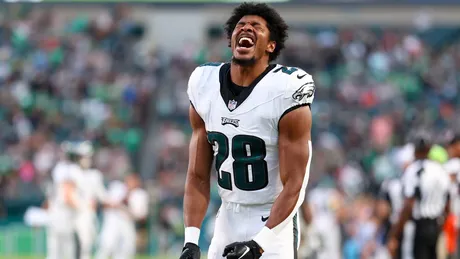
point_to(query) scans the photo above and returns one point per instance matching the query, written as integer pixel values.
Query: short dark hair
(275, 23)
(422, 140)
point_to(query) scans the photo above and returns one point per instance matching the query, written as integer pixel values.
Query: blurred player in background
(63, 204)
(130, 205)
(307, 246)
(452, 167)
(426, 188)
(324, 229)
(109, 239)
(91, 189)
(391, 201)
(255, 118)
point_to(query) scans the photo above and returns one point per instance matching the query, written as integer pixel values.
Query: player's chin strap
(266, 238)
(191, 235)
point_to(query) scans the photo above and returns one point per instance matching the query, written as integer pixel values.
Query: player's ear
(271, 46)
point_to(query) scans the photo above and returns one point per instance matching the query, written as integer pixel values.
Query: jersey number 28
(249, 165)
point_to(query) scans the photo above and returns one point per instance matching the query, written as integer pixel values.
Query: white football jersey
(244, 129)
(61, 214)
(90, 187)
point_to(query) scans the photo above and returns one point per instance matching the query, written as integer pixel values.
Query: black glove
(243, 250)
(190, 251)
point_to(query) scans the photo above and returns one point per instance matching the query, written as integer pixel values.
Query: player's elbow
(294, 185)
(68, 193)
(196, 182)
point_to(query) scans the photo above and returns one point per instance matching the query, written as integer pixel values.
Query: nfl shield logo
(232, 105)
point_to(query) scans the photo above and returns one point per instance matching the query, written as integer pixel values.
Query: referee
(426, 200)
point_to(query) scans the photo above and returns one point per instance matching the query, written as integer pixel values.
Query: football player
(254, 118)
(90, 186)
(62, 204)
(110, 235)
(118, 235)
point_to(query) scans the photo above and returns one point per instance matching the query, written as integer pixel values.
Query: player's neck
(245, 75)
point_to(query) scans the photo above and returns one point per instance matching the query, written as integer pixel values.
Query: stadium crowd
(89, 80)
(80, 80)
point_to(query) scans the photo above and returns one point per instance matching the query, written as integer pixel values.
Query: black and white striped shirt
(429, 183)
(392, 191)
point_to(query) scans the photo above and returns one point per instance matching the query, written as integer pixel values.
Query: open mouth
(245, 42)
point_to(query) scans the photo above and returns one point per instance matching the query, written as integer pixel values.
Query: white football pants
(238, 222)
(86, 233)
(118, 238)
(60, 245)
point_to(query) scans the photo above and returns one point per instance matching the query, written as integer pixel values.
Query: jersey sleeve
(299, 91)
(192, 88)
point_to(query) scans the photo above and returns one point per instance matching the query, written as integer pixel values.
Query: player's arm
(294, 155)
(69, 192)
(197, 185)
(384, 200)
(447, 209)
(405, 215)
(397, 228)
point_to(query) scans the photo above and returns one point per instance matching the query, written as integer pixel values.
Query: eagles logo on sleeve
(305, 91)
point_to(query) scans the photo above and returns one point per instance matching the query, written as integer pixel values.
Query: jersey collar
(231, 101)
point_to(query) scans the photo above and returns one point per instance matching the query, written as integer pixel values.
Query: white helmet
(84, 148)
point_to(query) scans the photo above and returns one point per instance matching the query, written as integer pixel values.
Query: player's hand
(190, 251)
(243, 250)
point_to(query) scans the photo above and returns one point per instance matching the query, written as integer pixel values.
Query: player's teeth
(245, 38)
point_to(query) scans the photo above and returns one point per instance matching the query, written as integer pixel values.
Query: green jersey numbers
(250, 171)
(249, 168)
(221, 152)
(286, 70)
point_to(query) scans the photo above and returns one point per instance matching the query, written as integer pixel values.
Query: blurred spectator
(83, 80)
